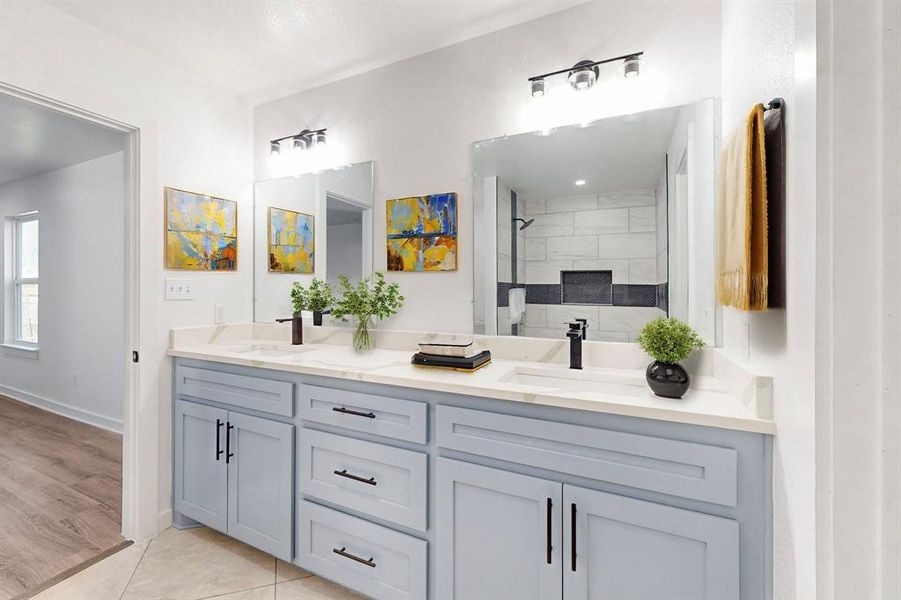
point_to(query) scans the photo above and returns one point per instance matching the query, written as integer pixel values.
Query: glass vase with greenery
(668, 342)
(318, 298)
(366, 302)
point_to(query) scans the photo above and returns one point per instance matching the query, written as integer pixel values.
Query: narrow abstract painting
(292, 241)
(422, 233)
(201, 232)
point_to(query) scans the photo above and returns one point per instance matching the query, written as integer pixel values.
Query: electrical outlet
(179, 289)
(75, 380)
(219, 314)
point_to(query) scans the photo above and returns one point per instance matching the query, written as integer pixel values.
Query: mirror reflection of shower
(524, 223)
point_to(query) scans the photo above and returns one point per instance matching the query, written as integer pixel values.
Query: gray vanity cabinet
(201, 474)
(234, 473)
(620, 547)
(498, 534)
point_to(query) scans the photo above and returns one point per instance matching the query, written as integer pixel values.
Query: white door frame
(130, 421)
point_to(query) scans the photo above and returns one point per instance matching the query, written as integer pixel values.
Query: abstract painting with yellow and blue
(201, 232)
(422, 233)
(292, 241)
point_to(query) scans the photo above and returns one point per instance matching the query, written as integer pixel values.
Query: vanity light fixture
(584, 73)
(631, 66)
(300, 141)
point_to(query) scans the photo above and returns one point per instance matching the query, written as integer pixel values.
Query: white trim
(22, 350)
(140, 477)
(78, 414)
(165, 520)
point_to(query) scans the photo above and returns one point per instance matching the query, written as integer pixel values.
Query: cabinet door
(498, 534)
(618, 547)
(260, 483)
(200, 471)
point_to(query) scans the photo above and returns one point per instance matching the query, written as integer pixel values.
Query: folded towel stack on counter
(451, 353)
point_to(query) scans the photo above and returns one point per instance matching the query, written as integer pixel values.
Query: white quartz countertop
(727, 398)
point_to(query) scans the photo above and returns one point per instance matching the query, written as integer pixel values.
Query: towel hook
(775, 103)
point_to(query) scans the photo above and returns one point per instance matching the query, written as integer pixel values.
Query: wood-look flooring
(60, 495)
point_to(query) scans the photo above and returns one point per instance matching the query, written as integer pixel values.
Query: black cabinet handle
(573, 535)
(550, 529)
(228, 442)
(344, 473)
(341, 552)
(347, 411)
(218, 429)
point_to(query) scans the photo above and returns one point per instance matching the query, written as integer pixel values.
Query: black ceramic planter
(317, 318)
(668, 381)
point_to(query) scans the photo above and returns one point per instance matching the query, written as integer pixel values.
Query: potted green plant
(365, 302)
(668, 342)
(317, 298)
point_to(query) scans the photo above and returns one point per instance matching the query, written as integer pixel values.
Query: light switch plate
(179, 289)
(219, 314)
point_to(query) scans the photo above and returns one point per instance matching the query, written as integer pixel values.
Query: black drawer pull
(344, 473)
(573, 535)
(341, 552)
(219, 425)
(550, 530)
(228, 442)
(347, 411)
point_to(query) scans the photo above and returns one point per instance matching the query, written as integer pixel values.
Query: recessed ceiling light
(581, 182)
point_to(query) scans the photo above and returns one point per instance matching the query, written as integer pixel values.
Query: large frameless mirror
(610, 222)
(310, 225)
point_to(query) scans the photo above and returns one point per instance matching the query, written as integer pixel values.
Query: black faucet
(575, 333)
(584, 323)
(296, 328)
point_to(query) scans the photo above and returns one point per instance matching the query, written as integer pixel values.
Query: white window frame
(18, 281)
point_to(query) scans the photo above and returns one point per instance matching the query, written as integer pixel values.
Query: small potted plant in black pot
(668, 342)
(317, 298)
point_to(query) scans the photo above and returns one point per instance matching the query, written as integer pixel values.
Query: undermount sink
(575, 380)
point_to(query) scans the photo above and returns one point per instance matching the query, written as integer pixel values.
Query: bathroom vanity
(523, 480)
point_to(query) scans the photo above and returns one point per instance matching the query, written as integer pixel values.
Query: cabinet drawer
(256, 393)
(685, 469)
(374, 560)
(388, 483)
(379, 415)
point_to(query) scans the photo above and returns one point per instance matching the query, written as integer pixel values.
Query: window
(25, 279)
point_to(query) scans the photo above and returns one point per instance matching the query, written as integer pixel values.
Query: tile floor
(190, 565)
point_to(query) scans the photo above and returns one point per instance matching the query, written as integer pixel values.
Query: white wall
(768, 50)
(192, 137)
(80, 369)
(418, 118)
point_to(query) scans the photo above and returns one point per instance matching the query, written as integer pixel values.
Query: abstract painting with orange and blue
(422, 233)
(201, 232)
(292, 241)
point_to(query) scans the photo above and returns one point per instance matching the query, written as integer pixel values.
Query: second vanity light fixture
(300, 141)
(584, 73)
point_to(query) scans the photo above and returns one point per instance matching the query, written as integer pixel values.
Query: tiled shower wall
(615, 232)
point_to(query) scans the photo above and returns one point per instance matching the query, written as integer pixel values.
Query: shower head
(524, 223)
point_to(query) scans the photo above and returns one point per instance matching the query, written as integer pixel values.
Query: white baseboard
(78, 414)
(165, 520)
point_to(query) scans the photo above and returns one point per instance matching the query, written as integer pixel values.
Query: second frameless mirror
(611, 222)
(313, 225)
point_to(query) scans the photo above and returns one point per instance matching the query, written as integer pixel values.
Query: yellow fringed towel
(741, 256)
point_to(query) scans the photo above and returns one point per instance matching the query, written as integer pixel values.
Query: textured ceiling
(265, 49)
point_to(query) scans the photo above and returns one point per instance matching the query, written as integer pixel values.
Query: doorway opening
(348, 248)
(68, 319)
